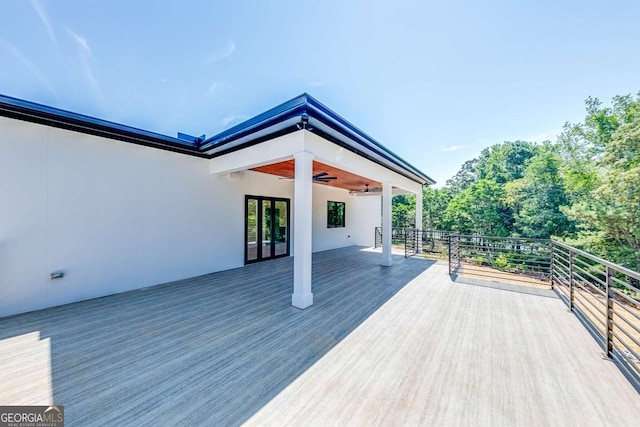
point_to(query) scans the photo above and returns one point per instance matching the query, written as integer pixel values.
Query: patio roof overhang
(305, 112)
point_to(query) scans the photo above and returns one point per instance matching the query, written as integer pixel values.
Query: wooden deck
(381, 346)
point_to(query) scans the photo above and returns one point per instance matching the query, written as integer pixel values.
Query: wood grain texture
(346, 180)
(381, 346)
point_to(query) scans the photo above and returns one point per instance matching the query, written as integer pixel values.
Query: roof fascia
(46, 115)
(358, 136)
(307, 104)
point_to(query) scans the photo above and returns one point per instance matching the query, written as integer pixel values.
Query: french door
(266, 231)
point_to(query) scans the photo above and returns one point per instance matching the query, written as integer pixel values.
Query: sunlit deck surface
(381, 346)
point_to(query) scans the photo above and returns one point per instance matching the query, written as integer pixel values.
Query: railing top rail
(599, 260)
(602, 261)
(521, 239)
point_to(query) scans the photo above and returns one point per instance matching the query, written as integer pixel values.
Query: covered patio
(305, 142)
(401, 345)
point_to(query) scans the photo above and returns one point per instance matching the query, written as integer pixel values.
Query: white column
(386, 223)
(419, 218)
(302, 229)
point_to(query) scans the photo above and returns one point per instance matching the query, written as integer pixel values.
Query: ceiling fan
(366, 190)
(323, 177)
(319, 177)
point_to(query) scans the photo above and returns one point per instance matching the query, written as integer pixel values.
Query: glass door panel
(252, 230)
(267, 229)
(281, 232)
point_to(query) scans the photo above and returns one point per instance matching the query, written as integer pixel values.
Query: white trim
(386, 223)
(302, 229)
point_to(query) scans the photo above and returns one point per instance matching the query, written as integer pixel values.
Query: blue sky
(434, 81)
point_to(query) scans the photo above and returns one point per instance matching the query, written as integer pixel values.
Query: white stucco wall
(112, 215)
(367, 210)
(362, 214)
(116, 216)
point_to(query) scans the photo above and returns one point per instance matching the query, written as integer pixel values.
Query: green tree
(480, 209)
(536, 198)
(506, 162)
(403, 210)
(602, 174)
(609, 220)
(434, 205)
(464, 178)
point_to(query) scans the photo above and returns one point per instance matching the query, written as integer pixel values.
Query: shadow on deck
(208, 350)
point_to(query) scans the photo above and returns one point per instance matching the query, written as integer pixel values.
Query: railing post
(571, 257)
(449, 239)
(609, 311)
(551, 262)
(405, 243)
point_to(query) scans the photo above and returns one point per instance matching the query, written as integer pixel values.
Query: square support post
(302, 230)
(419, 221)
(386, 223)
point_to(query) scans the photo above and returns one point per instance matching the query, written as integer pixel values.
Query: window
(335, 214)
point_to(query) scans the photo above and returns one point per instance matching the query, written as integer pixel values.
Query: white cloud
(24, 61)
(44, 17)
(223, 53)
(234, 118)
(547, 136)
(82, 41)
(91, 79)
(453, 148)
(86, 58)
(217, 86)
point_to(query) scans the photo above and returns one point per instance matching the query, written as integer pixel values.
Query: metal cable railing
(606, 297)
(493, 258)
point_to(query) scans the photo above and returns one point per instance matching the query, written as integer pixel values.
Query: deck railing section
(399, 236)
(416, 241)
(606, 297)
(490, 257)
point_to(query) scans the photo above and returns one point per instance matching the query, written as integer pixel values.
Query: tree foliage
(584, 188)
(479, 209)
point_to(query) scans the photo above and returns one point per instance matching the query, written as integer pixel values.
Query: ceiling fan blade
(323, 177)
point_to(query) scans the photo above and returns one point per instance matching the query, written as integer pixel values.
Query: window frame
(334, 205)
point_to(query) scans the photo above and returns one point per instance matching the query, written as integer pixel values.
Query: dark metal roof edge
(377, 147)
(229, 134)
(43, 114)
(304, 103)
(307, 103)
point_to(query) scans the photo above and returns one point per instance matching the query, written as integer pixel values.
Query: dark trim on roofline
(41, 114)
(380, 148)
(309, 105)
(303, 104)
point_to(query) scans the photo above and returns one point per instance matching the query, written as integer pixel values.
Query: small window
(335, 214)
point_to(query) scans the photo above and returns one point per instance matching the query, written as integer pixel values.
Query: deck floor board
(380, 346)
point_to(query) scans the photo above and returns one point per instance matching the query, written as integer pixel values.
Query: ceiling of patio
(346, 180)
